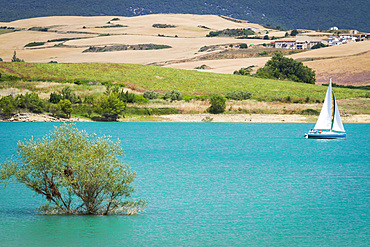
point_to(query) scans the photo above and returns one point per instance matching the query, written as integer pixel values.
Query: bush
(243, 46)
(7, 104)
(163, 26)
(218, 104)
(173, 95)
(16, 59)
(75, 172)
(238, 95)
(32, 44)
(294, 32)
(244, 71)
(151, 95)
(55, 98)
(310, 112)
(319, 45)
(280, 67)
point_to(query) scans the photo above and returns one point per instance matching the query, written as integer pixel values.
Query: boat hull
(325, 135)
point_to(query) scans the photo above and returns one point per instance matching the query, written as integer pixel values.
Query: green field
(142, 77)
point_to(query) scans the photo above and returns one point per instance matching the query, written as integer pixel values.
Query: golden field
(347, 64)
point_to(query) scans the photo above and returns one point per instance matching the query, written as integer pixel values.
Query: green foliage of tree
(151, 95)
(294, 32)
(55, 98)
(243, 46)
(319, 45)
(89, 99)
(218, 104)
(173, 95)
(7, 104)
(77, 173)
(16, 59)
(238, 95)
(131, 97)
(54, 109)
(281, 67)
(163, 26)
(66, 107)
(30, 102)
(231, 33)
(244, 71)
(69, 95)
(109, 106)
(32, 44)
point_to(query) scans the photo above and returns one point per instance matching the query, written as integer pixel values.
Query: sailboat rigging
(329, 124)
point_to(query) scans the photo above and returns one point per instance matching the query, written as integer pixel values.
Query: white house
(299, 43)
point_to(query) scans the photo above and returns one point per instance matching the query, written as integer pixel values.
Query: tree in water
(77, 173)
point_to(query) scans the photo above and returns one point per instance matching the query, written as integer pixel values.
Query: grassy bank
(142, 78)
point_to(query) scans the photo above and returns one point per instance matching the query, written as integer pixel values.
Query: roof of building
(286, 40)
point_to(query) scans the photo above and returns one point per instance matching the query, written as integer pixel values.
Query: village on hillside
(307, 40)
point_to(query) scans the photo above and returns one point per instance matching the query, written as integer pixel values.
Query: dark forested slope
(310, 14)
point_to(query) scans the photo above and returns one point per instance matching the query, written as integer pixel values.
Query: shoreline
(191, 118)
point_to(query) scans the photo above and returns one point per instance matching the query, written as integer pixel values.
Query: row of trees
(110, 105)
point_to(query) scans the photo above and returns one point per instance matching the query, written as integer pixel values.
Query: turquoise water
(212, 184)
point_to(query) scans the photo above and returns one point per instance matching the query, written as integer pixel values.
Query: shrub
(243, 46)
(218, 104)
(32, 44)
(131, 97)
(16, 59)
(281, 67)
(203, 66)
(244, 71)
(173, 95)
(7, 104)
(151, 95)
(55, 98)
(294, 32)
(75, 172)
(163, 26)
(310, 112)
(238, 95)
(319, 45)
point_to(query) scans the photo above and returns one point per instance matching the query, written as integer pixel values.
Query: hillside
(187, 46)
(142, 78)
(290, 14)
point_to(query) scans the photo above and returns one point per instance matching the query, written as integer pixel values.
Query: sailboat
(329, 124)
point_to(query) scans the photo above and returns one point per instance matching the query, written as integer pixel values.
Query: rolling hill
(290, 14)
(67, 37)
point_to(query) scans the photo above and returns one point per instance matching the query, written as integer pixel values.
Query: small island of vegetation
(77, 173)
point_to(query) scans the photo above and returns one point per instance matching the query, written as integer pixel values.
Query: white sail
(324, 121)
(337, 121)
